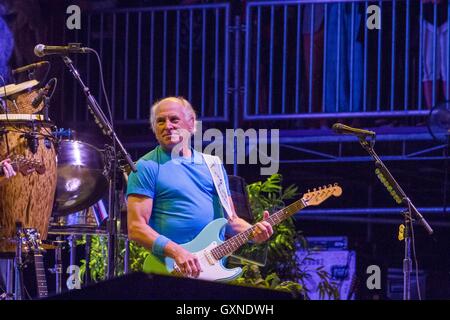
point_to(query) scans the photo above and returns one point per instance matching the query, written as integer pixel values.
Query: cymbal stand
(58, 270)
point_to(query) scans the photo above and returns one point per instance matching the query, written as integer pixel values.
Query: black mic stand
(111, 163)
(400, 197)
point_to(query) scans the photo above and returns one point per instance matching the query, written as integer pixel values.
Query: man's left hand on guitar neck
(263, 230)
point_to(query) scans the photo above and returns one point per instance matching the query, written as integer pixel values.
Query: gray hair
(188, 111)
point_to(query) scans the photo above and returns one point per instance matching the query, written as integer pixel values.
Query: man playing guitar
(172, 197)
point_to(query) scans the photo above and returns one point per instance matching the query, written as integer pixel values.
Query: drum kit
(61, 181)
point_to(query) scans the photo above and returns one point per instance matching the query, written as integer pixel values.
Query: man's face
(171, 125)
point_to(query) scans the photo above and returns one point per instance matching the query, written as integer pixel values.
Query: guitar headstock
(32, 240)
(27, 166)
(319, 195)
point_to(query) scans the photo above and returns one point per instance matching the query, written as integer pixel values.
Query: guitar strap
(215, 168)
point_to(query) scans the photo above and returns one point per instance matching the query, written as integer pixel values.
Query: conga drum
(26, 198)
(19, 97)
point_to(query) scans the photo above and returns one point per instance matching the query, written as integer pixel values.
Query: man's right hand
(187, 262)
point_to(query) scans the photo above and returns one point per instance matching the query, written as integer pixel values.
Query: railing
(290, 67)
(149, 53)
(293, 68)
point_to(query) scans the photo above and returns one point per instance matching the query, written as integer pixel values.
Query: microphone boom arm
(392, 182)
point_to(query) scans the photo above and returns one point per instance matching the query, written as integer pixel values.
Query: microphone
(42, 50)
(41, 94)
(29, 67)
(343, 129)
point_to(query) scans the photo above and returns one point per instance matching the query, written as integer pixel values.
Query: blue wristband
(159, 244)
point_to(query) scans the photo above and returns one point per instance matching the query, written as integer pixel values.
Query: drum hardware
(32, 140)
(18, 263)
(58, 269)
(72, 240)
(47, 143)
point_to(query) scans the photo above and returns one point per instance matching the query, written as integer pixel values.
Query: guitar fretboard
(40, 275)
(235, 242)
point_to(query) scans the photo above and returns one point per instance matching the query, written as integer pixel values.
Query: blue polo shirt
(184, 197)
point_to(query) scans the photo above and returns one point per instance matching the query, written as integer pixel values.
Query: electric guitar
(211, 251)
(25, 166)
(33, 244)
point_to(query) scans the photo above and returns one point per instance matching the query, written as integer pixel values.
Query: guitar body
(201, 245)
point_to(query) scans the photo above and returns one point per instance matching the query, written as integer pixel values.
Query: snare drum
(26, 198)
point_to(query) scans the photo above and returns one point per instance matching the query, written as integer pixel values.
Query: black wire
(103, 86)
(55, 82)
(48, 64)
(107, 105)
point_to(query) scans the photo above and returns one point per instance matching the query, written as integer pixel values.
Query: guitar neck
(41, 280)
(235, 242)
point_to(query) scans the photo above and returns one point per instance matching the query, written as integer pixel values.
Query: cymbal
(13, 88)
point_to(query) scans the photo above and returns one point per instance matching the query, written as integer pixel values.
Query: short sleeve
(143, 182)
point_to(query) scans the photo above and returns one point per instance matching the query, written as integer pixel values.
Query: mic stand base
(407, 263)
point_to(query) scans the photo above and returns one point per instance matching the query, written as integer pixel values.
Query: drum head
(80, 179)
(12, 89)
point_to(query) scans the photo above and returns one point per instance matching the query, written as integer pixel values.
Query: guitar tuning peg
(329, 186)
(309, 190)
(314, 190)
(320, 188)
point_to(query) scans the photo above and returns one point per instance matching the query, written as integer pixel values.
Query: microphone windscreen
(39, 50)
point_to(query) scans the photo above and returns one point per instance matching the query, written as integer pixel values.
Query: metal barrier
(285, 56)
(149, 53)
(319, 59)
